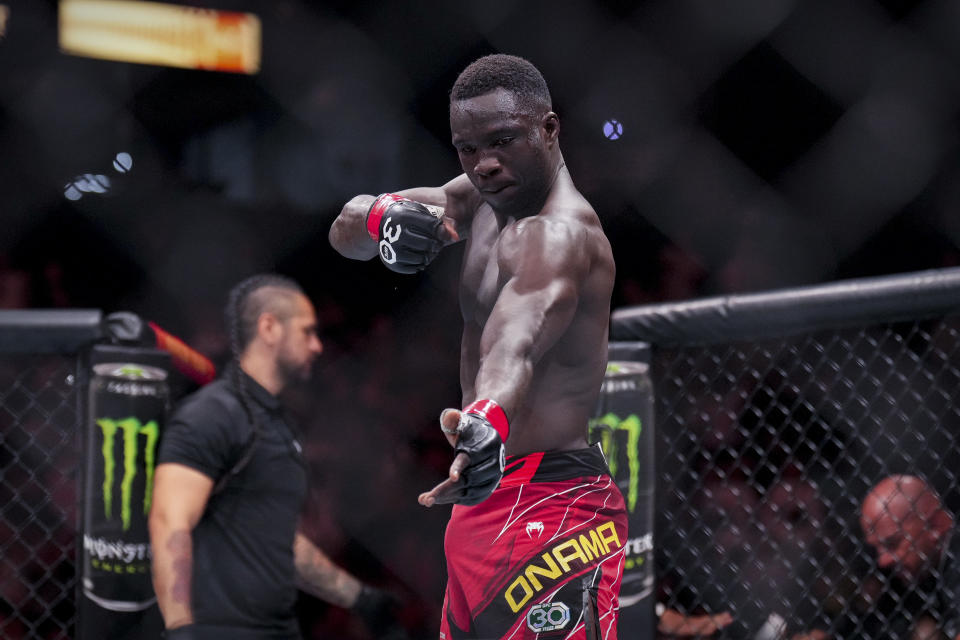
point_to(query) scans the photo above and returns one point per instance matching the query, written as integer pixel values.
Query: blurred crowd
(768, 452)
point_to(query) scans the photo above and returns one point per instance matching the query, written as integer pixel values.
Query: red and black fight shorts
(521, 563)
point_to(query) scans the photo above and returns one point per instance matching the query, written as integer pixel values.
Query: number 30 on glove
(407, 232)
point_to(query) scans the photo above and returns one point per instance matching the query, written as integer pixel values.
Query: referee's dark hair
(248, 300)
(251, 298)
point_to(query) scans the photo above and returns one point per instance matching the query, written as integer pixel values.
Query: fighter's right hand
(408, 234)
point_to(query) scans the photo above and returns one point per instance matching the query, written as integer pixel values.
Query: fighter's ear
(551, 126)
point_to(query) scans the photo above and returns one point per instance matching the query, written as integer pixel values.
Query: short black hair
(513, 73)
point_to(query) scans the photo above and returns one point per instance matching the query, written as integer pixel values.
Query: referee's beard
(292, 371)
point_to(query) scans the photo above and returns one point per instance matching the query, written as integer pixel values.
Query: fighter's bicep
(540, 255)
(544, 266)
(534, 315)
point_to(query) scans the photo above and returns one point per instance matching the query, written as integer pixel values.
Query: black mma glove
(482, 431)
(406, 232)
(378, 610)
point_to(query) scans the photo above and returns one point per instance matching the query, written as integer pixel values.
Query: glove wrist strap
(376, 211)
(493, 413)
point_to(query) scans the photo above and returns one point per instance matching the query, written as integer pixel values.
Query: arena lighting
(612, 129)
(161, 34)
(97, 183)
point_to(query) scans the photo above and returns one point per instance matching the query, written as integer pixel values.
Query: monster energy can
(624, 428)
(128, 402)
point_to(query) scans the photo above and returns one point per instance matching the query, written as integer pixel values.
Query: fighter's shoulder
(569, 222)
(555, 244)
(551, 228)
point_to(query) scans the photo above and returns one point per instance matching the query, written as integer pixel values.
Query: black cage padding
(791, 311)
(44, 331)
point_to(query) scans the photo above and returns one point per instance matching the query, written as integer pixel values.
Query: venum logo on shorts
(390, 235)
(570, 555)
(549, 616)
(534, 527)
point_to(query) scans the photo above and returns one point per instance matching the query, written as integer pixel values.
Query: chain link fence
(776, 414)
(41, 426)
(40, 460)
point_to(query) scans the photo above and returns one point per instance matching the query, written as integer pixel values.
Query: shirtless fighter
(534, 545)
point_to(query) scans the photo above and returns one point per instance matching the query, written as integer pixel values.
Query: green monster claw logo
(631, 424)
(132, 429)
(131, 371)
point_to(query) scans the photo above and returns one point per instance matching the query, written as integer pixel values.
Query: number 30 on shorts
(549, 616)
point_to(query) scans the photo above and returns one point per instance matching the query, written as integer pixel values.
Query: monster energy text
(115, 551)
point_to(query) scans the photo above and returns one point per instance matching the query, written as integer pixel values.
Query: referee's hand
(379, 611)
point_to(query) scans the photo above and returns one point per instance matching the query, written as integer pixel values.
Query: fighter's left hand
(478, 465)
(450, 489)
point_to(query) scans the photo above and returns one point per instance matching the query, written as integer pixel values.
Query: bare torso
(566, 379)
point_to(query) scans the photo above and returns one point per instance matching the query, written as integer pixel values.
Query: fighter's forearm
(173, 574)
(505, 375)
(349, 235)
(522, 327)
(319, 576)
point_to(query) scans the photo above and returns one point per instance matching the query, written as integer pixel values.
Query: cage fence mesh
(39, 469)
(765, 452)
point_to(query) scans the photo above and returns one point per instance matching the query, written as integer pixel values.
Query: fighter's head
(505, 131)
(516, 75)
(905, 522)
(273, 324)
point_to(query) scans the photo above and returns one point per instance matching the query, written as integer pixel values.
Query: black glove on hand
(481, 442)
(186, 632)
(378, 610)
(407, 232)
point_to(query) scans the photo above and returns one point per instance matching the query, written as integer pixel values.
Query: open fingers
(461, 462)
(444, 493)
(450, 489)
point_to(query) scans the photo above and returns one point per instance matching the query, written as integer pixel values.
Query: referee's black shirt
(243, 573)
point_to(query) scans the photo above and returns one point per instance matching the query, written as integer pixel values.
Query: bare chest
(481, 280)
